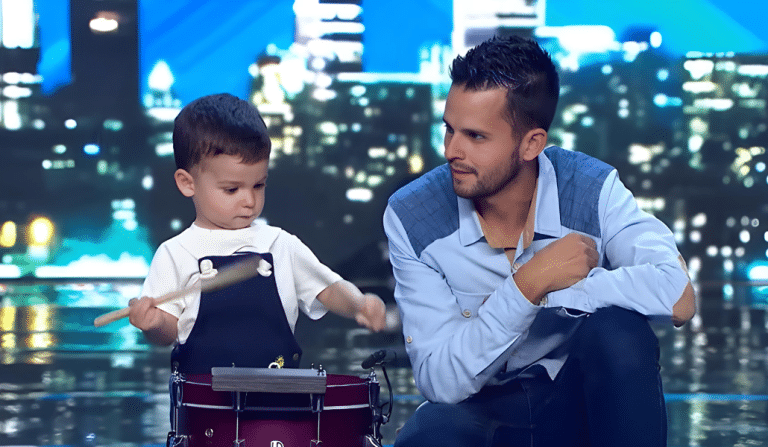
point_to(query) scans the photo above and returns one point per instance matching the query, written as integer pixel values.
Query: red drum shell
(274, 419)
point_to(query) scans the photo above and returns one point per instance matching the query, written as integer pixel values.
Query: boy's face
(227, 194)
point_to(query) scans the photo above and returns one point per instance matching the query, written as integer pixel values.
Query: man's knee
(617, 341)
(441, 425)
(618, 354)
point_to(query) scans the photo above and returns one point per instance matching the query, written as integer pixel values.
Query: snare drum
(341, 417)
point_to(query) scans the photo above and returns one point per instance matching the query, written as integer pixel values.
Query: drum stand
(173, 439)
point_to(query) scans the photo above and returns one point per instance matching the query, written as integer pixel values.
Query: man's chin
(464, 193)
(465, 188)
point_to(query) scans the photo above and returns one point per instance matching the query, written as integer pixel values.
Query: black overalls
(242, 325)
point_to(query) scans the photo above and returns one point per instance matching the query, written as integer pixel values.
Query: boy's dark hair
(219, 124)
(522, 67)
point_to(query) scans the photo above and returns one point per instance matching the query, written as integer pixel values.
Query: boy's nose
(249, 199)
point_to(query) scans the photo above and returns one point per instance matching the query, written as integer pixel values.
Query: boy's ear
(533, 142)
(184, 182)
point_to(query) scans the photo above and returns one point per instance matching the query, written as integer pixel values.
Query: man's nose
(452, 149)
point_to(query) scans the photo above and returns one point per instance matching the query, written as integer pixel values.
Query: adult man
(525, 275)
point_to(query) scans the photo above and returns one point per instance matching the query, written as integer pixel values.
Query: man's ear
(184, 182)
(532, 143)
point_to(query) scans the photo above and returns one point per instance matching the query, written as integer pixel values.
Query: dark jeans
(608, 393)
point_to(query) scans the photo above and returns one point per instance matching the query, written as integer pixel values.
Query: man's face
(228, 194)
(479, 143)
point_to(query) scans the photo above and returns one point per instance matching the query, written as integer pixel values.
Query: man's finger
(589, 241)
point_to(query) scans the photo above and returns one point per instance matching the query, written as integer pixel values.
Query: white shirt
(299, 275)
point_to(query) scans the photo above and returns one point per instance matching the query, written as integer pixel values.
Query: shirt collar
(200, 242)
(547, 200)
(546, 219)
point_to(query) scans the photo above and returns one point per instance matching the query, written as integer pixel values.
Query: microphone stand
(379, 417)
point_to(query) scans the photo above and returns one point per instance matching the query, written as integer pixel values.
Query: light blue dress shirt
(465, 322)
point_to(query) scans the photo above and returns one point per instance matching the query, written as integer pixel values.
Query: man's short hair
(219, 124)
(522, 67)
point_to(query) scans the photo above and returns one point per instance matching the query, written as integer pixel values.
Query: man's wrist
(529, 285)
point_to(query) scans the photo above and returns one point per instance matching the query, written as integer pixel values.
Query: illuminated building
(352, 139)
(273, 83)
(24, 122)
(725, 110)
(331, 31)
(19, 54)
(105, 57)
(71, 157)
(160, 102)
(724, 107)
(477, 20)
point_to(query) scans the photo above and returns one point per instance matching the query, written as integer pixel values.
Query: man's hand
(559, 265)
(371, 313)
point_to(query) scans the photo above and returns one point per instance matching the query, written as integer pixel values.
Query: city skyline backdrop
(357, 110)
(86, 189)
(209, 56)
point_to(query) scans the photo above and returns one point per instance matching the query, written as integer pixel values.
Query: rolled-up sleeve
(452, 355)
(641, 269)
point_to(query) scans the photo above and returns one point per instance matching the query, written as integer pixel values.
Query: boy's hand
(144, 315)
(371, 312)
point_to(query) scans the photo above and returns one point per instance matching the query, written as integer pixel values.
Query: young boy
(222, 147)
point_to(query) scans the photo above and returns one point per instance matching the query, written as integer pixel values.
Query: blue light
(660, 100)
(728, 292)
(91, 149)
(758, 272)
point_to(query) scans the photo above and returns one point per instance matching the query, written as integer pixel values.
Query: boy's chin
(237, 224)
(240, 223)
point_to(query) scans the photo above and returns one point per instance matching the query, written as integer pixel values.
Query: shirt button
(543, 301)
(408, 339)
(467, 313)
(296, 357)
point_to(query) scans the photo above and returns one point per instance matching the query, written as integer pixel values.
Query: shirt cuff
(574, 297)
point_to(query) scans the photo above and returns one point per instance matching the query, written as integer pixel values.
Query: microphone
(378, 358)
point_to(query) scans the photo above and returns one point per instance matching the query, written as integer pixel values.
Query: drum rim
(276, 409)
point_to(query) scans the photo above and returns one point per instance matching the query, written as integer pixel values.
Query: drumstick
(232, 274)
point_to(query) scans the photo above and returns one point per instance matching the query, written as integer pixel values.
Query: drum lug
(370, 441)
(176, 441)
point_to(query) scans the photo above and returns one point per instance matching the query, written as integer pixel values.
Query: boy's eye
(259, 185)
(231, 190)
